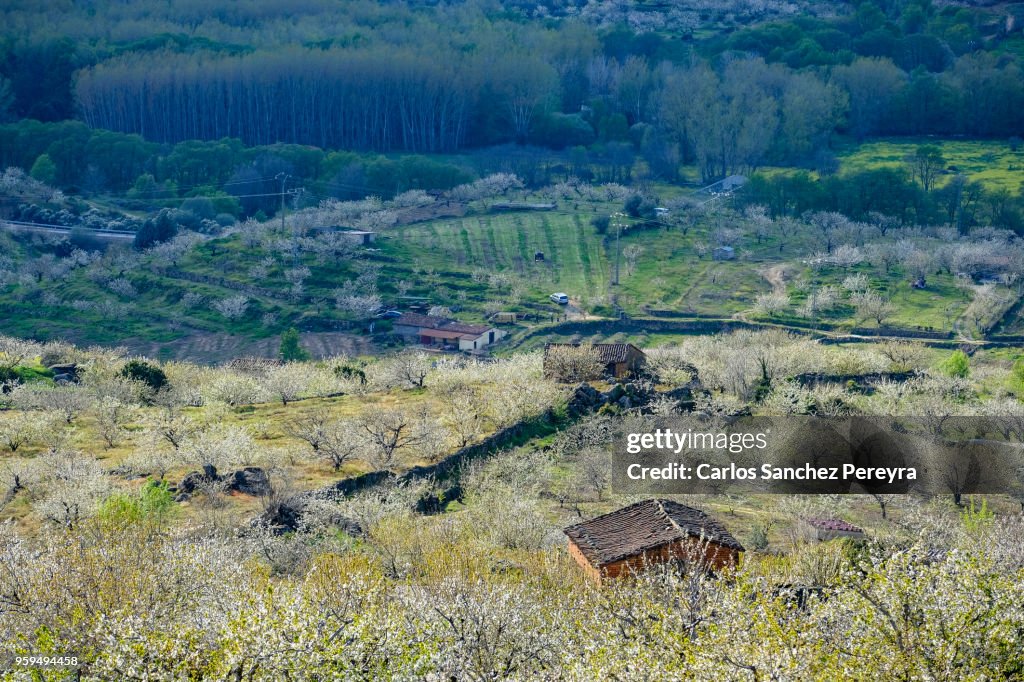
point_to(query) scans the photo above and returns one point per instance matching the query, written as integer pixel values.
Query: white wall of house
(481, 341)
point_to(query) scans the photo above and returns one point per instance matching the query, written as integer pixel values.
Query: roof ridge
(643, 524)
(702, 516)
(661, 508)
(673, 521)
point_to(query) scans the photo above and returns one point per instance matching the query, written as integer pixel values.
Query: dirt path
(776, 276)
(574, 312)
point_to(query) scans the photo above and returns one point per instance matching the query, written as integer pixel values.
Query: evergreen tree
(290, 350)
(44, 169)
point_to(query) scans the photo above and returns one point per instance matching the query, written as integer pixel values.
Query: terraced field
(575, 259)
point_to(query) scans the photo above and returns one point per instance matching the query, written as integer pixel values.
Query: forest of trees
(415, 79)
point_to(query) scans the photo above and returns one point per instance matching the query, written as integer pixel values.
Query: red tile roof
(834, 524)
(474, 329)
(443, 334)
(441, 324)
(606, 352)
(642, 526)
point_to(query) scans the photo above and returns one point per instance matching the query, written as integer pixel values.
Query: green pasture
(990, 162)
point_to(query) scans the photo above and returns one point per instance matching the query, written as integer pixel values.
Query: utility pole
(284, 180)
(294, 194)
(618, 249)
(958, 214)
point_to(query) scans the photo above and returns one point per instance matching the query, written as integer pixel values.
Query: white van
(560, 298)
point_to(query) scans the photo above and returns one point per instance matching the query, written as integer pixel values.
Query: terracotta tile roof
(643, 526)
(834, 524)
(441, 324)
(254, 365)
(614, 352)
(444, 334)
(464, 328)
(607, 352)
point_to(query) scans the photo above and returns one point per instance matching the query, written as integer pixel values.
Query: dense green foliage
(290, 349)
(475, 74)
(888, 191)
(957, 365)
(153, 503)
(1015, 382)
(146, 373)
(235, 179)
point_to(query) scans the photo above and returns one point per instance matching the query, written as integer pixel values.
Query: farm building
(363, 237)
(255, 366)
(723, 253)
(830, 529)
(444, 333)
(620, 360)
(651, 532)
(726, 185)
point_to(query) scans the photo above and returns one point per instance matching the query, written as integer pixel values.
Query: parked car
(560, 298)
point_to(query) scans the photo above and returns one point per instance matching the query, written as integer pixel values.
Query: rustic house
(255, 366)
(363, 237)
(830, 529)
(647, 533)
(619, 360)
(445, 333)
(723, 253)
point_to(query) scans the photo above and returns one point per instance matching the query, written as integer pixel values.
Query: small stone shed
(723, 253)
(644, 534)
(620, 360)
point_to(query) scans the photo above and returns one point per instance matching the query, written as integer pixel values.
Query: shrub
(639, 206)
(156, 230)
(351, 373)
(956, 365)
(153, 502)
(1015, 382)
(759, 538)
(143, 372)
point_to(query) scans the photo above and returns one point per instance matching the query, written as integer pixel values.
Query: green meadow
(990, 162)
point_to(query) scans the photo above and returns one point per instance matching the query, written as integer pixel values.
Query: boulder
(286, 517)
(616, 393)
(194, 481)
(250, 481)
(65, 373)
(587, 392)
(585, 398)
